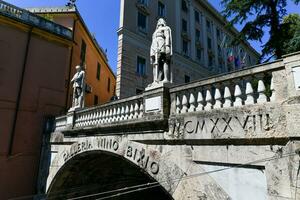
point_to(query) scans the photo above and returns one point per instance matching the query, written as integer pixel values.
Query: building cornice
(74, 10)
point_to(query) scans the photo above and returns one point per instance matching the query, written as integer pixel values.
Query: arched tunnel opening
(94, 175)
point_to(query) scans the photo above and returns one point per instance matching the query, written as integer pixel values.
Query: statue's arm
(73, 79)
(167, 36)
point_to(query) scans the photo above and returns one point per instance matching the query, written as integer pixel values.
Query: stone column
(204, 35)
(192, 30)
(215, 46)
(178, 27)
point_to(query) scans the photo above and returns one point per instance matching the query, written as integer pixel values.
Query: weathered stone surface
(229, 151)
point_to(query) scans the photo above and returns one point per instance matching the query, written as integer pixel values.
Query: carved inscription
(220, 125)
(143, 160)
(77, 148)
(138, 156)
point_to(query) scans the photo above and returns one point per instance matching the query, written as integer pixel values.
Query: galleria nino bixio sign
(115, 145)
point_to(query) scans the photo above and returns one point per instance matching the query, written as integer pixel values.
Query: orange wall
(99, 87)
(43, 94)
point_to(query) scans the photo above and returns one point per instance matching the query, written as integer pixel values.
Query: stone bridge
(232, 136)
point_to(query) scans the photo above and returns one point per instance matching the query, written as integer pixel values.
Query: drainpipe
(12, 134)
(70, 67)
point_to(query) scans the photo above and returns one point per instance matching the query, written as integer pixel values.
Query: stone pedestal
(157, 101)
(70, 119)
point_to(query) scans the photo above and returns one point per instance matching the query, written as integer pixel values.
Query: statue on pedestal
(161, 52)
(78, 81)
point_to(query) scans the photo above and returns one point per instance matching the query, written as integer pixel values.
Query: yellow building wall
(99, 87)
(93, 56)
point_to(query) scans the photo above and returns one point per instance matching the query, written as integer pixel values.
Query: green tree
(291, 29)
(257, 16)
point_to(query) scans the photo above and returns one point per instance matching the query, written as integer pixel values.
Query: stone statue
(78, 81)
(161, 52)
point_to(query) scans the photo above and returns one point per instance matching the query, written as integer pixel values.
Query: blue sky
(102, 19)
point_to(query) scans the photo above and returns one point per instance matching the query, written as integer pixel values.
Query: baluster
(261, 88)
(99, 117)
(96, 117)
(208, 100)
(131, 111)
(91, 118)
(238, 96)
(80, 121)
(273, 92)
(105, 116)
(141, 110)
(184, 104)
(122, 113)
(136, 110)
(86, 120)
(218, 97)
(227, 97)
(118, 113)
(110, 115)
(192, 103)
(126, 112)
(114, 114)
(200, 101)
(249, 92)
(177, 105)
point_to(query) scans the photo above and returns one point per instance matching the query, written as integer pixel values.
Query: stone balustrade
(259, 88)
(124, 110)
(241, 88)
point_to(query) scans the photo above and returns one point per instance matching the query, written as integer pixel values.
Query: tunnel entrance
(92, 175)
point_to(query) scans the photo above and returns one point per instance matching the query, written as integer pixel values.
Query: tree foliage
(291, 26)
(257, 17)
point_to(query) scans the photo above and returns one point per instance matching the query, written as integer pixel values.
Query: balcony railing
(27, 17)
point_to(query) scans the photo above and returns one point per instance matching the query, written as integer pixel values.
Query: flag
(224, 42)
(237, 62)
(244, 60)
(230, 57)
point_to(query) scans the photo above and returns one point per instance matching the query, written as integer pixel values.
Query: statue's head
(161, 22)
(78, 68)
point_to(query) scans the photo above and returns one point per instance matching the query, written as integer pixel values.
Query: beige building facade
(198, 37)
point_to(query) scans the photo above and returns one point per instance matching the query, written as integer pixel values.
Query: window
(210, 60)
(218, 34)
(141, 66)
(199, 53)
(184, 6)
(108, 84)
(98, 71)
(208, 26)
(142, 21)
(187, 79)
(209, 43)
(219, 51)
(249, 60)
(82, 53)
(185, 49)
(184, 25)
(197, 16)
(197, 34)
(95, 99)
(144, 2)
(161, 9)
(138, 91)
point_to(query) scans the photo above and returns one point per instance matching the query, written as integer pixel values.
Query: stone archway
(97, 171)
